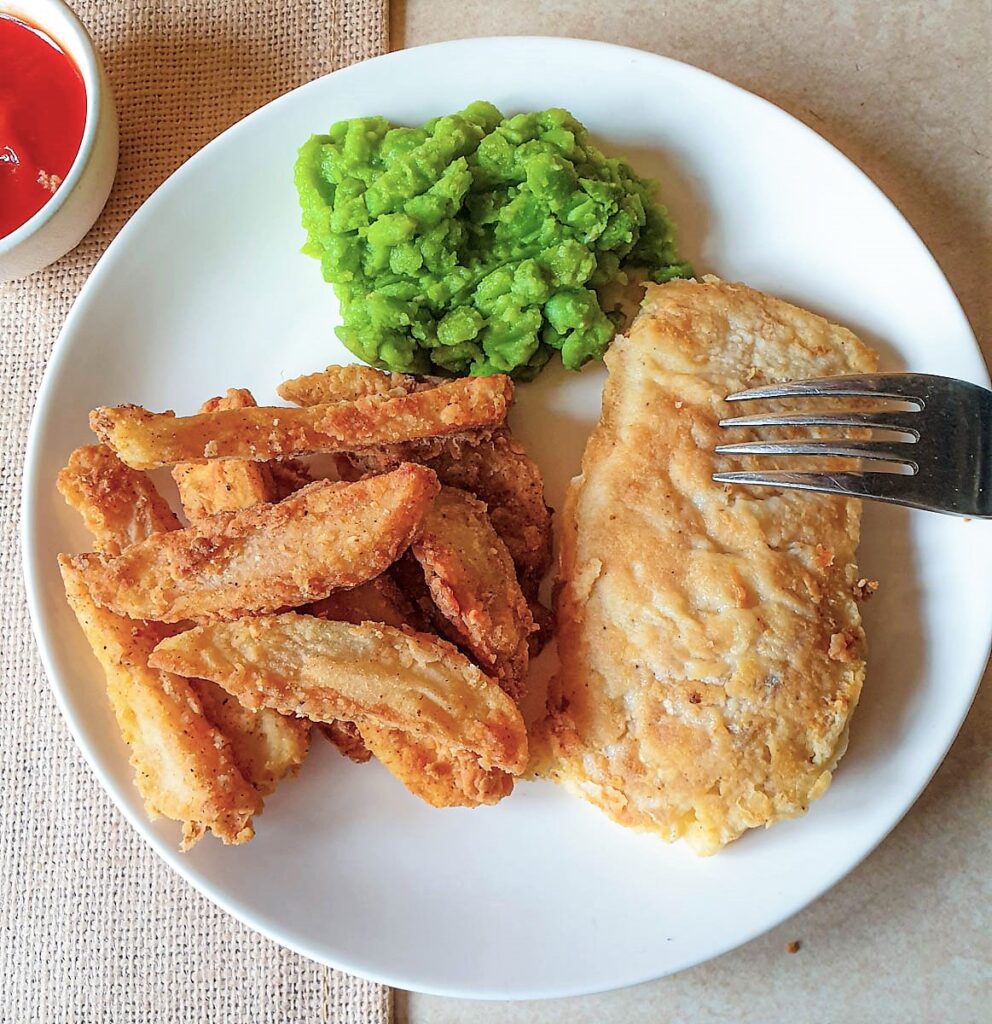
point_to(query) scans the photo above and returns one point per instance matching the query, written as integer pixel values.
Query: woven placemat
(93, 927)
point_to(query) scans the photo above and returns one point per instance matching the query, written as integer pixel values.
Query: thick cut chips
(146, 440)
(223, 485)
(437, 773)
(471, 578)
(322, 670)
(440, 775)
(327, 536)
(350, 383)
(265, 745)
(488, 463)
(119, 505)
(184, 766)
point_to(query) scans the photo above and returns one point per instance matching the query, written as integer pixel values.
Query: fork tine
(877, 420)
(890, 487)
(884, 451)
(907, 387)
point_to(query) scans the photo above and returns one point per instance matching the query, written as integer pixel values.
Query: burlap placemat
(93, 927)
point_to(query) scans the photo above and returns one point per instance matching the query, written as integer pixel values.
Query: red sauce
(42, 114)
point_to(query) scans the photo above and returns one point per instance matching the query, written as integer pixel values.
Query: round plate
(205, 289)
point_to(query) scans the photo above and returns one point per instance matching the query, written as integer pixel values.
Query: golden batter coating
(324, 670)
(327, 536)
(223, 485)
(472, 580)
(146, 440)
(711, 645)
(119, 505)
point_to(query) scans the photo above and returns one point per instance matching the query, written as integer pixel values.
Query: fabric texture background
(93, 927)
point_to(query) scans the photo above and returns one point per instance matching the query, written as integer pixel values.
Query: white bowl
(61, 223)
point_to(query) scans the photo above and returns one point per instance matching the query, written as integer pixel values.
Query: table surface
(903, 88)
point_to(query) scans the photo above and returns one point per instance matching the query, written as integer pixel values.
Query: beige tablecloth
(93, 928)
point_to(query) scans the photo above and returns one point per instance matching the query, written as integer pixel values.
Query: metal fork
(948, 448)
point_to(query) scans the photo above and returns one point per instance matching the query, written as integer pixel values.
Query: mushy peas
(477, 243)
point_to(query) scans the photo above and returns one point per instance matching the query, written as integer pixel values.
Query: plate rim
(26, 536)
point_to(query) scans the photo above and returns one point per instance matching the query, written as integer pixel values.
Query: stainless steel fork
(947, 447)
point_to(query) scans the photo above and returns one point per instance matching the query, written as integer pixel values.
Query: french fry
(328, 536)
(119, 505)
(488, 463)
(184, 766)
(350, 383)
(494, 468)
(472, 580)
(440, 775)
(348, 740)
(266, 746)
(224, 485)
(323, 670)
(146, 440)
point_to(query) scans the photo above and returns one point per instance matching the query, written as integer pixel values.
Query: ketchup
(42, 114)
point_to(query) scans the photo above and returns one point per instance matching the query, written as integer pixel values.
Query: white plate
(542, 895)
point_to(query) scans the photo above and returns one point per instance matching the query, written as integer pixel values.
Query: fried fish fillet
(439, 774)
(146, 440)
(327, 536)
(472, 580)
(119, 505)
(324, 670)
(223, 485)
(184, 766)
(711, 646)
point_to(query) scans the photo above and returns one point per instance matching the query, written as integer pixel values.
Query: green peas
(474, 243)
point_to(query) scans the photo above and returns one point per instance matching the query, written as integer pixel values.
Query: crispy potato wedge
(288, 477)
(472, 580)
(323, 670)
(327, 536)
(184, 766)
(349, 383)
(118, 504)
(494, 468)
(348, 740)
(266, 746)
(146, 440)
(223, 485)
(379, 600)
(489, 463)
(442, 776)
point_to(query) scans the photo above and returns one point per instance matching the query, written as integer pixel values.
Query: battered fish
(711, 645)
